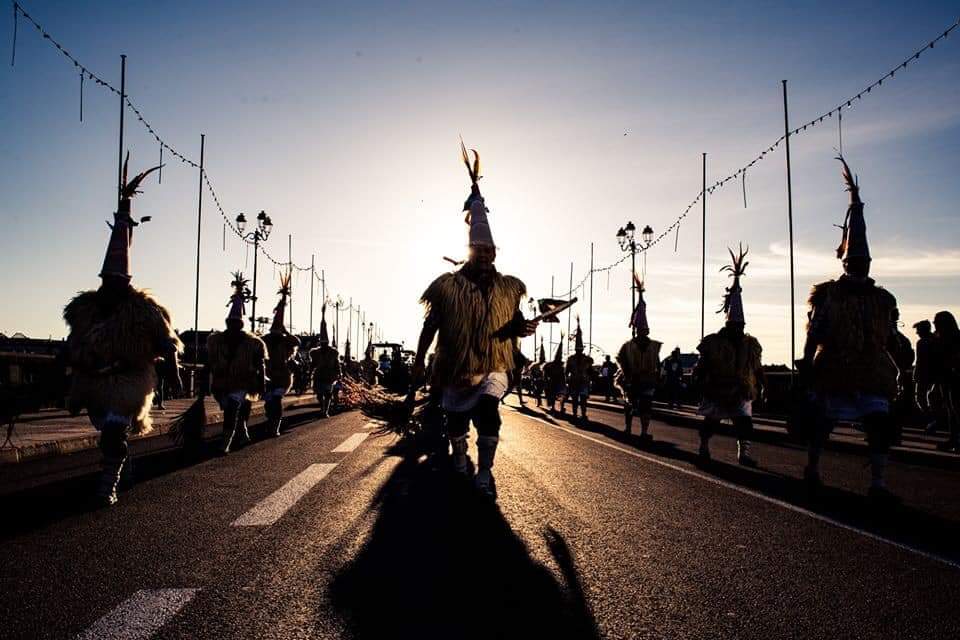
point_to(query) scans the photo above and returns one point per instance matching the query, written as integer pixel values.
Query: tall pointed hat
(638, 320)
(578, 337)
(278, 311)
(543, 353)
(853, 243)
(324, 337)
(558, 356)
(480, 234)
(117, 260)
(239, 297)
(733, 298)
(346, 350)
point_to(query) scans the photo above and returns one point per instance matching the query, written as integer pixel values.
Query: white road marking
(351, 443)
(141, 615)
(760, 496)
(272, 508)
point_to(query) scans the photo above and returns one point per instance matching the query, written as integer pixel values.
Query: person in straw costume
(536, 375)
(475, 314)
(729, 371)
(281, 350)
(850, 352)
(237, 362)
(578, 369)
(117, 335)
(325, 362)
(639, 360)
(554, 380)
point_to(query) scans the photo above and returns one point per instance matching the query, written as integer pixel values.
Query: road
(329, 532)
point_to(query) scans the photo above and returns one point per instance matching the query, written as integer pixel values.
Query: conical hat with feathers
(578, 337)
(239, 297)
(116, 262)
(853, 243)
(638, 319)
(733, 298)
(543, 353)
(324, 336)
(278, 311)
(480, 233)
(558, 356)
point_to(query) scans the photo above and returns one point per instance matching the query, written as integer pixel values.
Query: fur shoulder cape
(281, 348)
(730, 370)
(472, 323)
(852, 323)
(236, 366)
(113, 351)
(325, 362)
(640, 363)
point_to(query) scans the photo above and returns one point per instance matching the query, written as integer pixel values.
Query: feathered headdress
(558, 356)
(239, 297)
(638, 320)
(117, 260)
(853, 243)
(543, 353)
(476, 218)
(733, 299)
(578, 338)
(278, 311)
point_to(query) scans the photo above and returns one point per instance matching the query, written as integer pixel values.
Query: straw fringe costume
(729, 371)
(117, 335)
(237, 362)
(639, 360)
(850, 355)
(554, 380)
(325, 363)
(474, 313)
(281, 351)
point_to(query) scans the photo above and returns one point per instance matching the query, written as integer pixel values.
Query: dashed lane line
(272, 508)
(756, 494)
(140, 616)
(351, 443)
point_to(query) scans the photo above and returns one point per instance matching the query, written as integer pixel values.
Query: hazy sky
(341, 120)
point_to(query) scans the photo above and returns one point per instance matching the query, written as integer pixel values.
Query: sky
(341, 120)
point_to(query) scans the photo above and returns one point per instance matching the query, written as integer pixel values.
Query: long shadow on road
(442, 562)
(900, 523)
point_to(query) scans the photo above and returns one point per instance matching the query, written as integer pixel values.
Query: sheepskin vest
(326, 364)
(113, 349)
(639, 360)
(729, 368)
(472, 323)
(852, 324)
(281, 348)
(578, 369)
(236, 366)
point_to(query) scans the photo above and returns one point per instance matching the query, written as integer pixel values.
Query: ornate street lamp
(261, 233)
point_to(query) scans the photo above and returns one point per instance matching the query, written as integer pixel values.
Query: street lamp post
(627, 241)
(262, 232)
(647, 235)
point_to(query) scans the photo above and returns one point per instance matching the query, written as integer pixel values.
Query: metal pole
(323, 284)
(336, 343)
(591, 298)
(570, 310)
(313, 275)
(349, 323)
(633, 280)
(196, 296)
(793, 324)
(290, 272)
(123, 95)
(552, 323)
(703, 250)
(253, 309)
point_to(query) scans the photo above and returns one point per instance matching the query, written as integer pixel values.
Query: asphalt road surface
(331, 532)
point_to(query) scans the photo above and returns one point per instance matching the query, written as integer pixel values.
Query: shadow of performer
(442, 562)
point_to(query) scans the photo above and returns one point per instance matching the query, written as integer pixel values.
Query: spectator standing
(608, 371)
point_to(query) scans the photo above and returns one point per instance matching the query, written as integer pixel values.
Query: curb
(49, 462)
(774, 432)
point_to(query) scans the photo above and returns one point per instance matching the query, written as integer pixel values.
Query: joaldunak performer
(475, 314)
(849, 356)
(325, 362)
(237, 361)
(577, 371)
(729, 371)
(117, 335)
(281, 350)
(554, 382)
(536, 375)
(639, 360)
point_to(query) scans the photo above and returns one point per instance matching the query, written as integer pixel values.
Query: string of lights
(742, 171)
